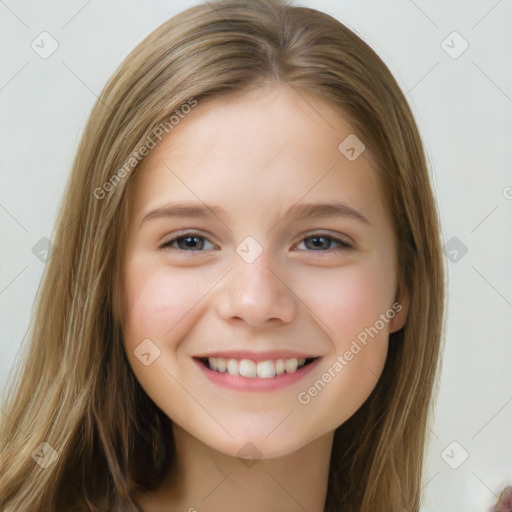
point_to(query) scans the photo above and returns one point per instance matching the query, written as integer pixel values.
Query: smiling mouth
(250, 369)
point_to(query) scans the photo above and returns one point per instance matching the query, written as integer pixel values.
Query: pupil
(191, 241)
(317, 241)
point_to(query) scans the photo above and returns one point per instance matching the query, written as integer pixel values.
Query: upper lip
(257, 356)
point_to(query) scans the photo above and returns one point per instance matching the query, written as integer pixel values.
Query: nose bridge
(258, 276)
(255, 292)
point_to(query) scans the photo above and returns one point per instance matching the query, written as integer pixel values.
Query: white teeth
(233, 367)
(266, 369)
(250, 369)
(221, 364)
(247, 368)
(290, 365)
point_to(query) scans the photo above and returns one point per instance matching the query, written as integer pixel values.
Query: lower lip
(240, 383)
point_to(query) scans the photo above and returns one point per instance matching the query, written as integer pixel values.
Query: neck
(205, 479)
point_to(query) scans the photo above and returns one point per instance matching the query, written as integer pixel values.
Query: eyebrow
(298, 210)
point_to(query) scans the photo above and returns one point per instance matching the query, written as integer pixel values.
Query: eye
(320, 243)
(189, 242)
(192, 242)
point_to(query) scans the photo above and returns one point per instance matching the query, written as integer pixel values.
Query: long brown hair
(75, 390)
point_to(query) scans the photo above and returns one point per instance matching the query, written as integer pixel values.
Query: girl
(244, 307)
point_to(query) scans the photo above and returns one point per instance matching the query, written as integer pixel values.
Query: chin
(260, 445)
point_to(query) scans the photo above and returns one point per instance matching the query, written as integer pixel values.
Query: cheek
(349, 304)
(157, 300)
(349, 299)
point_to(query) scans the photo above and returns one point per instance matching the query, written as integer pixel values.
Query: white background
(464, 110)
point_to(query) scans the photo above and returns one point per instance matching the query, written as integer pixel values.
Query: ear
(401, 308)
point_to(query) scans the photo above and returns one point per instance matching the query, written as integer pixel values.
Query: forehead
(257, 149)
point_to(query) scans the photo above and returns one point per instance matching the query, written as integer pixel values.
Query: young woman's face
(234, 260)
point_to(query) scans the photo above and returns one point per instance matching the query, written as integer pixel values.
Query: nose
(257, 293)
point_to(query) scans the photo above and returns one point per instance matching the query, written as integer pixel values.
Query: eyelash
(344, 246)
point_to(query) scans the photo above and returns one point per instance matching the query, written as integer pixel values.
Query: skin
(256, 154)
